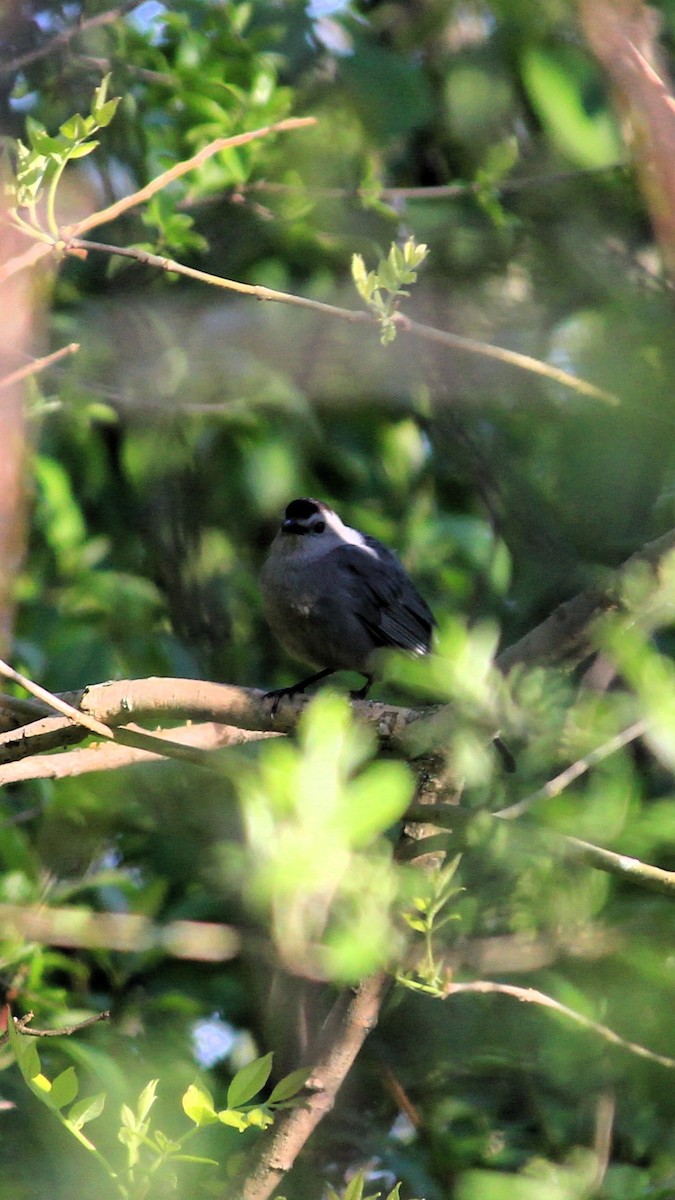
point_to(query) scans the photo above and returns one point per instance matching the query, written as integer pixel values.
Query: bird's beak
(291, 526)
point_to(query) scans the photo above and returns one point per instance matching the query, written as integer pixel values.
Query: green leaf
(555, 83)
(106, 112)
(74, 128)
(290, 1085)
(354, 1190)
(83, 150)
(100, 95)
(25, 1051)
(375, 799)
(248, 1082)
(127, 1117)
(500, 159)
(260, 1118)
(198, 1105)
(237, 1120)
(147, 1099)
(387, 276)
(358, 269)
(64, 1089)
(86, 1110)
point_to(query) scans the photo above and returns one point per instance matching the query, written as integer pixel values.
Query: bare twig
(46, 244)
(38, 364)
(109, 756)
(23, 1026)
(558, 784)
(179, 169)
(433, 192)
(631, 870)
(487, 987)
(61, 39)
(80, 928)
(452, 341)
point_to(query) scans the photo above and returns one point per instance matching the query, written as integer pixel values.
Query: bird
(333, 596)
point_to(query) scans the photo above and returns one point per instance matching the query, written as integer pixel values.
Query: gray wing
(384, 598)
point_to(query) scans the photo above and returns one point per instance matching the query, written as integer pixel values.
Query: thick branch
(566, 635)
(110, 756)
(119, 702)
(276, 1153)
(623, 36)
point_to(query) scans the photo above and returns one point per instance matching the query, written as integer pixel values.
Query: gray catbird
(333, 596)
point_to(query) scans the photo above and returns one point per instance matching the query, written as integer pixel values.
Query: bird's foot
(296, 688)
(362, 692)
(278, 694)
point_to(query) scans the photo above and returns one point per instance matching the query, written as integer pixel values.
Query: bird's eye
(319, 527)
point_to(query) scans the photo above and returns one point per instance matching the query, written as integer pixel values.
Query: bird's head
(311, 528)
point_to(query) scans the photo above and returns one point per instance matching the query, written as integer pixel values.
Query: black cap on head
(302, 510)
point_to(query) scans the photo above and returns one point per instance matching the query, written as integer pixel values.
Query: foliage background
(164, 452)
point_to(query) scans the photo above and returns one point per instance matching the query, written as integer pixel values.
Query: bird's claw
(279, 694)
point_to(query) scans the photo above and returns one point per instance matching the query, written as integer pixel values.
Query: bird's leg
(296, 688)
(362, 692)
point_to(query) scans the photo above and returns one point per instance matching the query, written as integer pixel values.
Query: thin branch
(61, 39)
(110, 756)
(80, 928)
(631, 870)
(189, 164)
(38, 364)
(88, 723)
(456, 819)
(533, 996)
(22, 1026)
(48, 245)
(239, 193)
(405, 325)
(558, 784)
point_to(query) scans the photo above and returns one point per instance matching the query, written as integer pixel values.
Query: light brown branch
(623, 36)
(38, 364)
(276, 1152)
(565, 637)
(48, 245)
(563, 780)
(126, 735)
(631, 870)
(405, 325)
(80, 928)
(110, 756)
(23, 1026)
(487, 987)
(66, 35)
(183, 699)
(104, 215)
